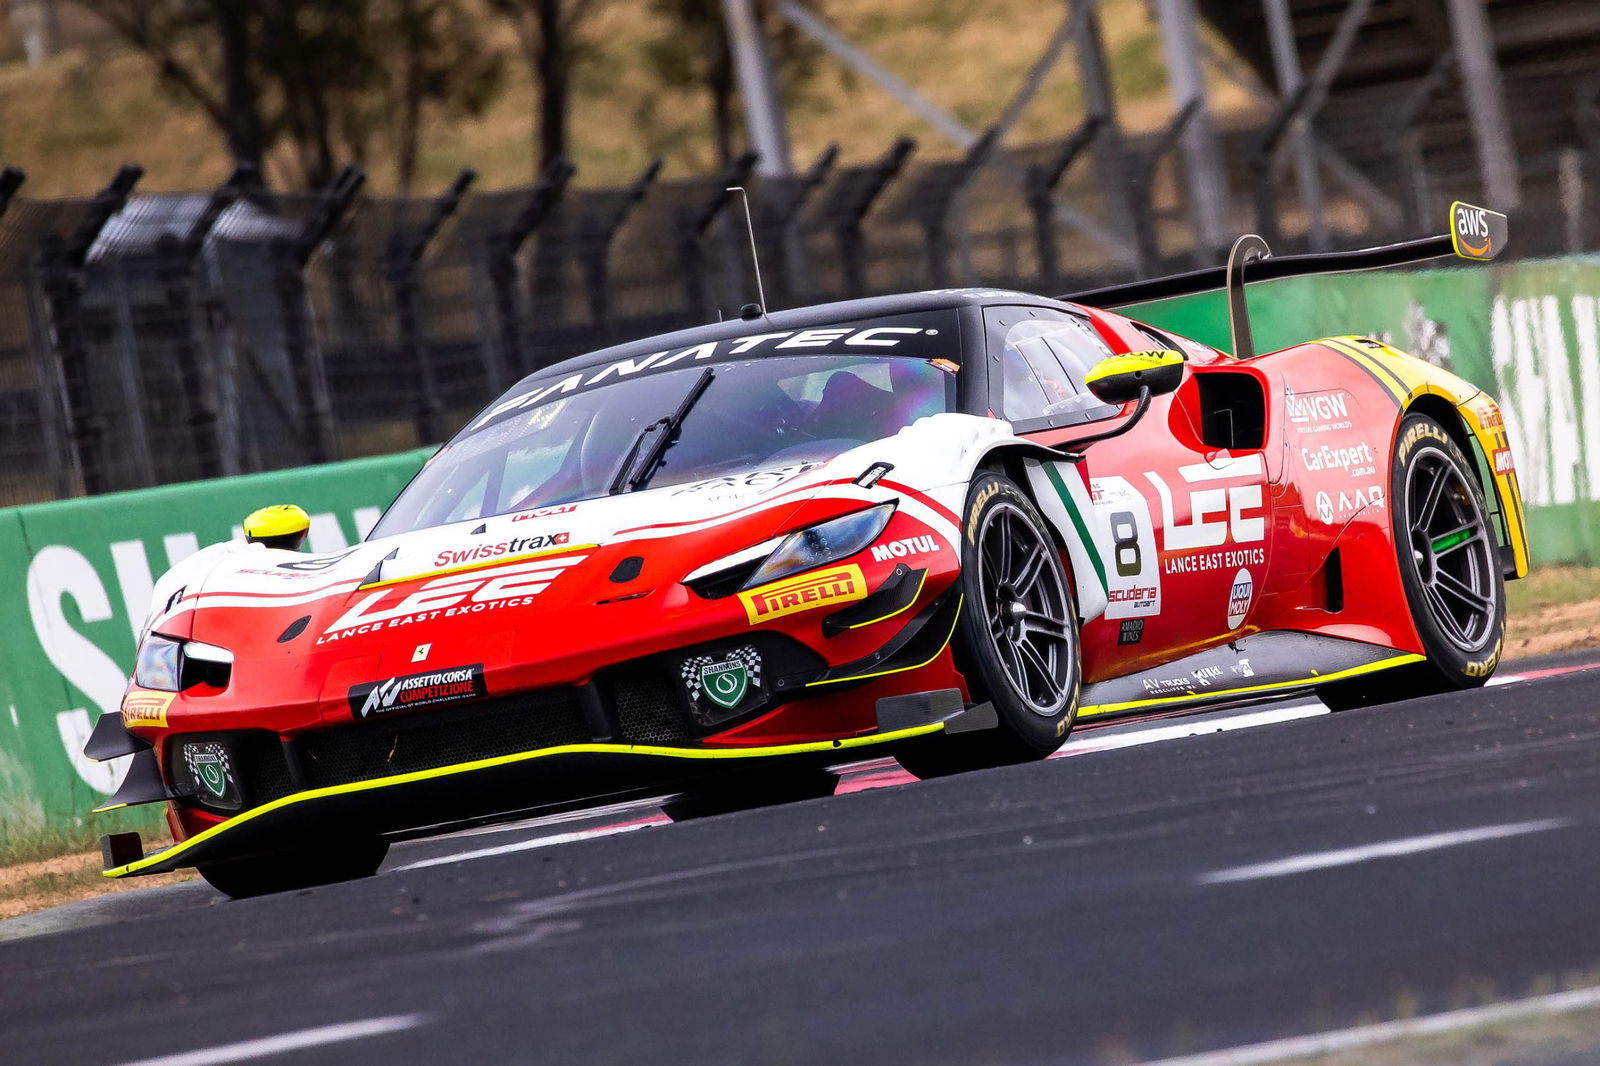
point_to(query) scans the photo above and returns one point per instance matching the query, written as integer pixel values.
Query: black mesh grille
(507, 726)
(648, 708)
(266, 774)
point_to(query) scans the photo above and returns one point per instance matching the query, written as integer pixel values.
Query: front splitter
(484, 788)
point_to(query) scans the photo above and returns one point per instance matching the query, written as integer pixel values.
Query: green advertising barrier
(79, 577)
(1524, 332)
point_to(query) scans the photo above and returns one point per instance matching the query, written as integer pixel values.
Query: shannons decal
(821, 588)
(417, 690)
(143, 707)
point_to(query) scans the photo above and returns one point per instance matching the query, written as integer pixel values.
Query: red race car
(944, 526)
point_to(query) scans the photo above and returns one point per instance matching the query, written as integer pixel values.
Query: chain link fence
(147, 339)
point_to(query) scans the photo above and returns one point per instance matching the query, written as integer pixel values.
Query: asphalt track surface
(1176, 895)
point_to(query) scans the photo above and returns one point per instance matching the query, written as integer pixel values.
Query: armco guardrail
(79, 578)
(1527, 333)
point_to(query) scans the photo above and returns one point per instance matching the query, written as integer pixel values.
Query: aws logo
(1477, 232)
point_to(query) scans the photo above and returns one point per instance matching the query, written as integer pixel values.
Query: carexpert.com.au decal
(927, 335)
(374, 698)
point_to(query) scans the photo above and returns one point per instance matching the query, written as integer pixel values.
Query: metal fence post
(780, 204)
(692, 227)
(1039, 191)
(291, 255)
(400, 270)
(61, 266)
(503, 246)
(847, 205)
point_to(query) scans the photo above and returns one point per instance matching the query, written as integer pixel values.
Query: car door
(1167, 533)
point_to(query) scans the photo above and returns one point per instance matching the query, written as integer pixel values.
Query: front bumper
(525, 781)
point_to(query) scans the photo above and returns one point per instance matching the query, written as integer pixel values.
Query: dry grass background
(71, 122)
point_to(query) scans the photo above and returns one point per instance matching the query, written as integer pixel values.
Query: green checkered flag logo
(726, 681)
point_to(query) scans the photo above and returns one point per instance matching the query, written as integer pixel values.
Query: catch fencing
(148, 339)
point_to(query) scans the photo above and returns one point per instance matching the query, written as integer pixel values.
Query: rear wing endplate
(1476, 233)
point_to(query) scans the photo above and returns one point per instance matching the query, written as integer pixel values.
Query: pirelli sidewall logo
(821, 588)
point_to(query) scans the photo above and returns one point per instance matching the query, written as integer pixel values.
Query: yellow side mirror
(1119, 378)
(282, 525)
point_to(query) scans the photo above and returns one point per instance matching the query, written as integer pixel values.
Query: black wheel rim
(1024, 608)
(1451, 549)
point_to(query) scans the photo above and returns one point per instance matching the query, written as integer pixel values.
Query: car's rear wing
(1475, 233)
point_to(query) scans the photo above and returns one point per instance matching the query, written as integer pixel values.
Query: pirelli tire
(1449, 567)
(324, 862)
(1016, 641)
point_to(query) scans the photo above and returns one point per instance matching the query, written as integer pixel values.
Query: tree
(319, 75)
(549, 34)
(697, 55)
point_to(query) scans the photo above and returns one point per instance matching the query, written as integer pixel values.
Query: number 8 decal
(1125, 542)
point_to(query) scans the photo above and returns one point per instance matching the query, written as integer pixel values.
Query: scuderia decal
(417, 690)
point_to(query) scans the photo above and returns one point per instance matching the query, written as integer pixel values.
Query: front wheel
(1017, 638)
(305, 867)
(1449, 568)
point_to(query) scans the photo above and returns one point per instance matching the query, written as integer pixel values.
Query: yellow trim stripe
(507, 760)
(1386, 377)
(1190, 697)
(898, 669)
(909, 604)
(510, 560)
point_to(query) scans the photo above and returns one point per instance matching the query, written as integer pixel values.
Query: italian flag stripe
(1076, 514)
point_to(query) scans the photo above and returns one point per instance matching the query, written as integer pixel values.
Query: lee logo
(840, 585)
(1218, 515)
(505, 586)
(140, 707)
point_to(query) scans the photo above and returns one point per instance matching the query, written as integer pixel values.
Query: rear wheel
(1016, 641)
(305, 867)
(1449, 567)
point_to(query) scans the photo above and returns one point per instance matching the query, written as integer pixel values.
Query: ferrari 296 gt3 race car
(943, 526)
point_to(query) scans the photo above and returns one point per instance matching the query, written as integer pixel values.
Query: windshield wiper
(661, 435)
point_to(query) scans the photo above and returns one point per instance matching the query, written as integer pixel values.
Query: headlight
(168, 665)
(159, 664)
(826, 542)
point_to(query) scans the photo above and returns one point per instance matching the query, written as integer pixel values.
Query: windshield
(775, 411)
